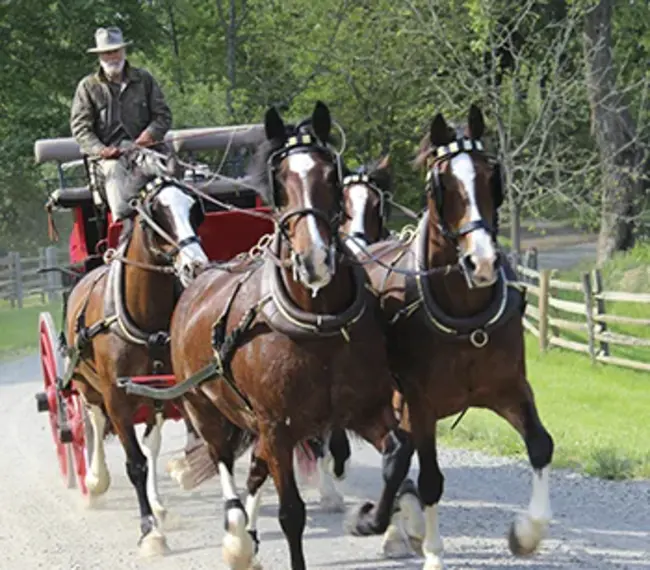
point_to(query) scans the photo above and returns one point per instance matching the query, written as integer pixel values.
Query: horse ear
(384, 163)
(321, 121)
(439, 132)
(475, 122)
(273, 125)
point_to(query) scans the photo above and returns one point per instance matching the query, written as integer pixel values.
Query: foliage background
(384, 68)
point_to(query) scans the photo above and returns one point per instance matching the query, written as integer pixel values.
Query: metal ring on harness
(479, 338)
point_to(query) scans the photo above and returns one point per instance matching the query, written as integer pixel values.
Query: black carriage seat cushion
(72, 197)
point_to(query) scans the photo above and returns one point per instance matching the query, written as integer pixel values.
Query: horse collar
(283, 316)
(476, 329)
(115, 306)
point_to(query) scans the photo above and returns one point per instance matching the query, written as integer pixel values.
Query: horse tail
(307, 453)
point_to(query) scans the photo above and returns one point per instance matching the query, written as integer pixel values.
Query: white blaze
(480, 241)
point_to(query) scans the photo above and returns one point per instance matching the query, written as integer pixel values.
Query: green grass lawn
(19, 327)
(596, 414)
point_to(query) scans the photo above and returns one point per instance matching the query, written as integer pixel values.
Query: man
(117, 104)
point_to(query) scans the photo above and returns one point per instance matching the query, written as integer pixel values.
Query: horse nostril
(469, 263)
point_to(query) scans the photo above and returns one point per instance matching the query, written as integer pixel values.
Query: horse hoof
(97, 485)
(153, 544)
(433, 563)
(359, 522)
(238, 551)
(525, 535)
(395, 544)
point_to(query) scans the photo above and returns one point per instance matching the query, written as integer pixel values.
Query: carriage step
(65, 434)
(42, 404)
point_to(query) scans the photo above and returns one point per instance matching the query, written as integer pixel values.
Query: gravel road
(597, 525)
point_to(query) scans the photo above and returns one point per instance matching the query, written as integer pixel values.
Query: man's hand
(110, 152)
(145, 139)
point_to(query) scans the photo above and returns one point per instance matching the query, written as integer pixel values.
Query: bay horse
(296, 341)
(116, 323)
(366, 200)
(456, 338)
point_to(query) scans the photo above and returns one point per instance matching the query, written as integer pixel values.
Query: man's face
(112, 62)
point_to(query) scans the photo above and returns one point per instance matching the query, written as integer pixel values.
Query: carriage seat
(240, 196)
(68, 198)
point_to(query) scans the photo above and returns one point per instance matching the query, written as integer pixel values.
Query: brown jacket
(105, 115)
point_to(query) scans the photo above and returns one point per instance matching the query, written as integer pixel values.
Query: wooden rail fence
(20, 277)
(581, 316)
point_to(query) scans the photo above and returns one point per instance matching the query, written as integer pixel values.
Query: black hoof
(361, 521)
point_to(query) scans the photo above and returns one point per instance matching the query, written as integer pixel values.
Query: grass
(595, 413)
(19, 327)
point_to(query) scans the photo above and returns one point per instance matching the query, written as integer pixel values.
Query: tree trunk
(615, 135)
(231, 55)
(178, 66)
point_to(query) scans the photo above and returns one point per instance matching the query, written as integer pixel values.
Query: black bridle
(304, 143)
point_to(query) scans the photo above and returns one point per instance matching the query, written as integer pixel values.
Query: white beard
(112, 69)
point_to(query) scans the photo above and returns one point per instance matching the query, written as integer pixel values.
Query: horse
(366, 200)
(292, 342)
(128, 303)
(456, 338)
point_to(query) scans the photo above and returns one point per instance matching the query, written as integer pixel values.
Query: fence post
(53, 277)
(589, 308)
(600, 327)
(544, 282)
(18, 278)
(43, 276)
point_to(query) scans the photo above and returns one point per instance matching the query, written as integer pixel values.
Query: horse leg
(339, 449)
(529, 528)
(151, 442)
(98, 478)
(430, 487)
(396, 447)
(331, 499)
(257, 476)
(238, 549)
(152, 540)
(278, 453)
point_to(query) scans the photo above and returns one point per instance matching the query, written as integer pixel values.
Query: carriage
(224, 234)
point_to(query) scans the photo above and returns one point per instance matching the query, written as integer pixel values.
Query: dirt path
(597, 525)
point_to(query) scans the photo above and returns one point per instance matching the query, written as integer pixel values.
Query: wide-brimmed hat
(108, 39)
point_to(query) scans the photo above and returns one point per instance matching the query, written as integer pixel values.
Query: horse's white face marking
(359, 195)
(301, 164)
(481, 247)
(192, 255)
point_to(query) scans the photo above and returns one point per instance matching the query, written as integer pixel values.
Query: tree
(621, 158)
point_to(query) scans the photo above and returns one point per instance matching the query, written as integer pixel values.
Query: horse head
(169, 214)
(366, 193)
(304, 179)
(464, 192)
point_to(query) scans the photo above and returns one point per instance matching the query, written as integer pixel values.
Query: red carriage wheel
(50, 400)
(82, 438)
